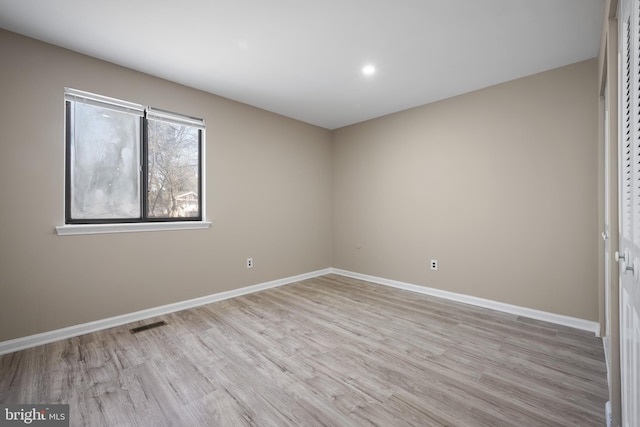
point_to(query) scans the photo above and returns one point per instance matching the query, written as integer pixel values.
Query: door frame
(609, 312)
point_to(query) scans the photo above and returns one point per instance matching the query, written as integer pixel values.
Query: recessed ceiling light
(369, 70)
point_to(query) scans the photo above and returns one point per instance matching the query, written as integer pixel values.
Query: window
(129, 164)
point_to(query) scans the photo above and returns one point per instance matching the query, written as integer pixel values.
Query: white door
(605, 233)
(629, 187)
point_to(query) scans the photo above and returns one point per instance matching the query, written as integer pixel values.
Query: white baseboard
(585, 325)
(98, 325)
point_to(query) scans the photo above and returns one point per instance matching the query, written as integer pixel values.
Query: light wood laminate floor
(329, 351)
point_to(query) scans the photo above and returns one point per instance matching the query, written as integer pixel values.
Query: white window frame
(129, 227)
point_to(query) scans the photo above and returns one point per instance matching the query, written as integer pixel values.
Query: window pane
(173, 156)
(104, 153)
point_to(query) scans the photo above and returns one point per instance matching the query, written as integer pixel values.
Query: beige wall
(268, 195)
(498, 185)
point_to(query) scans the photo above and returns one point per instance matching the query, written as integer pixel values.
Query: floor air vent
(146, 327)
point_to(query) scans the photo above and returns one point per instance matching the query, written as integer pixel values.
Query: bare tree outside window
(173, 156)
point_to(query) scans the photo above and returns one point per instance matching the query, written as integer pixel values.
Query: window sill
(72, 229)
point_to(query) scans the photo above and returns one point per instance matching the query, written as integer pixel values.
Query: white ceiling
(303, 59)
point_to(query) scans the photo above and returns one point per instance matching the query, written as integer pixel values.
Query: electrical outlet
(249, 262)
(434, 264)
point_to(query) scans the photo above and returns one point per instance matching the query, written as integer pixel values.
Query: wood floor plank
(329, 351)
